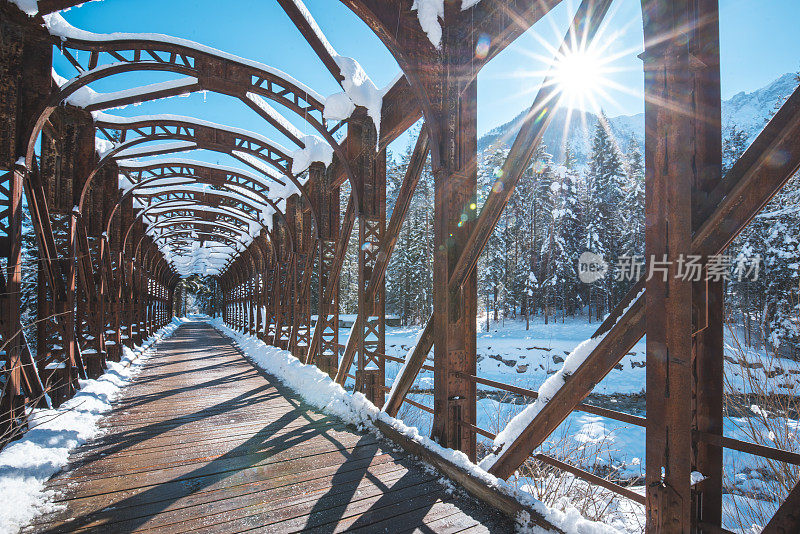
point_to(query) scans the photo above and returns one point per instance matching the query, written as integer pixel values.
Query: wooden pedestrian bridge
(203, 441)
(103, 228)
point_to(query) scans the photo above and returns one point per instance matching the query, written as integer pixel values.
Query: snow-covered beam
(359, 90)
(313, 35)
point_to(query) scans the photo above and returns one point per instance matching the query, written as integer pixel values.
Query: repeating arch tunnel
(120, 218)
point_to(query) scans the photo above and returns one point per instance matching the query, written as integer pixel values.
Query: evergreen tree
(605, 181)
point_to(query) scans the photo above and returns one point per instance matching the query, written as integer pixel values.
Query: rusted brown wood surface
(203, 441)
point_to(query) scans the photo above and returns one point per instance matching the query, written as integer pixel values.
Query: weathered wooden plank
(224, 506)
(288, 468)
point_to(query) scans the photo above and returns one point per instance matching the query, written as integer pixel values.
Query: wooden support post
(371, 382)
(454, 312)
(269, 315)
(402, 203)
(25, 63)
(252, 273)
(261, 275)
(326, 331)
(301, 330)
(282, 287)
(12, 404)
(124, 266)
(707, 296)
(671, 153)
(370, 326)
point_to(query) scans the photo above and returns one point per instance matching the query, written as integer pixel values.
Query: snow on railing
(546, 391)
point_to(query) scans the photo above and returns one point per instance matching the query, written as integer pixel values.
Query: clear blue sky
(760, 41)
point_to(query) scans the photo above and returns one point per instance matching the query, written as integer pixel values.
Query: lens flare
(578, 73)
(482, 46)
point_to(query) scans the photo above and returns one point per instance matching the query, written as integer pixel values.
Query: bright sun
(578, 75)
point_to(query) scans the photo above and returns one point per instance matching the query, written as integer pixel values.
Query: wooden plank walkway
(202, 441)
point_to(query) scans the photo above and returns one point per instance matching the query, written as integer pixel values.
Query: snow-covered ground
(26, 464)
(511, 354)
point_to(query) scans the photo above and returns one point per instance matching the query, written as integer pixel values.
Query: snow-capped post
(370, 328)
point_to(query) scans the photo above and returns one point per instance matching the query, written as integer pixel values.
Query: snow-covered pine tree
(30, 265)
(632, 209)
(605, 180)
(566, 238)
(742, 293)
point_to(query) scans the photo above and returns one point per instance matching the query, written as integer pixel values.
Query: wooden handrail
(772, 453)
(583, 407)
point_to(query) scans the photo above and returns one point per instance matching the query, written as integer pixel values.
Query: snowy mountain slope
(748, 111)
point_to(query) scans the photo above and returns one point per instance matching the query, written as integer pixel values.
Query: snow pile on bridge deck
(26, 465)
(318, 390)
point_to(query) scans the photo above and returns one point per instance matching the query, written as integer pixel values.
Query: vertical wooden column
(680, 157)
(708, 297)
(25, 65)
(258, 296)
(108, 313)
(267, 293)
(79, 156)
(240, 294)
(370, 170)
(125, 274)
(67, 153)
(327, 199)
(136, 285)
(223, 304)
(236, 294)
(281, 289)
(13, 401)
(301, 329)
(454, 150)
(141, 293)
(251, 291)
(149, 288)
(255, 266)
(11, 57)
(86, 229)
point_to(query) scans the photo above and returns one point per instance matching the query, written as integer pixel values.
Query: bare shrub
(762, 407)
(562, 490)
